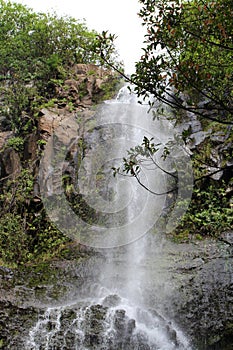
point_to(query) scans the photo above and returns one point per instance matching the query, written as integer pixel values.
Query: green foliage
(187, 65)
(143, 157)
(137, 157)
(16, 192)
(13, 240)
(188, 56)
(109, 88)
(28, 240)
(17, 143)
(47, 239)
(16, 111)
(26, 235)
(105, 48)
(39, 45)
(215, 216)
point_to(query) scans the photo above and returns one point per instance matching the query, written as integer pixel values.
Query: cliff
(21, 150)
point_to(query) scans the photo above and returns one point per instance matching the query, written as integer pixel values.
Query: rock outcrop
(87, 85)
(220, 160)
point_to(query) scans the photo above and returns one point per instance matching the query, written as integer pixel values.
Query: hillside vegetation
(46, 62)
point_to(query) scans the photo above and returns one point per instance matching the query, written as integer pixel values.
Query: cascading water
(118, 310)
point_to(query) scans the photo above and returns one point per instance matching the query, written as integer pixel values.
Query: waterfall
(118, 312)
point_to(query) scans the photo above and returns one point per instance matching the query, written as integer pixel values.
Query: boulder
(10, 164)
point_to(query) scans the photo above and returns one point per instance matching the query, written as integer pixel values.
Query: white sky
(118, 16)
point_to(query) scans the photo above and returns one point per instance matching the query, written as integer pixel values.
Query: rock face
(198, 296)
(220, 162)
(203, 298)
(10, 164)
(12, 333)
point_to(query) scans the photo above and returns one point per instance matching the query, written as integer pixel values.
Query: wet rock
(227, 237)
(14, 324)
(119, 320)
(140, 342)
(131, 326)
(172, 334)
(111, 300)
(192, 264)
(221, 146)
(204, 295)
(199, 299)
(10, 164)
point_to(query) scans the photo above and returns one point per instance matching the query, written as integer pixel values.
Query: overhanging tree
(187, 62)
(188, 58)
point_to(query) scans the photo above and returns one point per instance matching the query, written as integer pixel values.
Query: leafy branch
(143, 157)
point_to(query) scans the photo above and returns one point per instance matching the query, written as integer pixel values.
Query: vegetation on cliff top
(36, 55)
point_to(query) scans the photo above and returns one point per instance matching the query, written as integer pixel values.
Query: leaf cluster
(187, 61)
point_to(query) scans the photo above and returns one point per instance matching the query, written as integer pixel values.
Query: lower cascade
(103, 327)
(122, 308)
